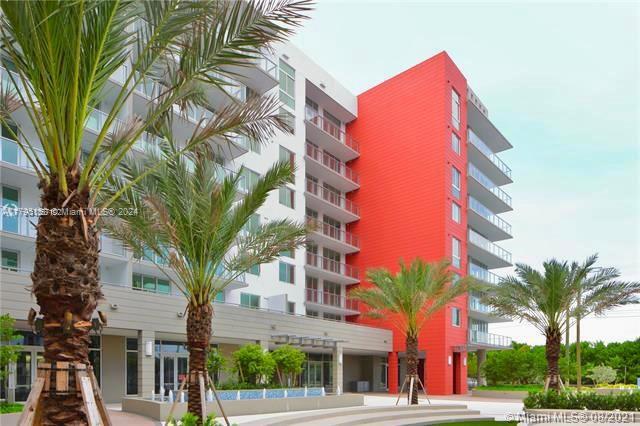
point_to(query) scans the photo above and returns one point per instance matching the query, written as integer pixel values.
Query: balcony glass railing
(332, 197)
(111, 246)
(483, 274)
(489, 339)
(330, 299)
(483, 211)
(14, 222)
(475, 304)
(484, 149)
(333, 232)
(331, 129)
(489, 246)
(9, 86)
(487, 183)
(11, 153)
(231, 86)
(268, 66)
(332, 163)
(331, 265)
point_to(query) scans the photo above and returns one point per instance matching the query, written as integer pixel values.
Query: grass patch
(6, 408)
(525, 388)
(483, 423)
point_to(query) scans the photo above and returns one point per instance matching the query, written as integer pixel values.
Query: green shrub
(583, 401)
(215, 362)
(602, 374)
(289, 361)
(253, 365)
(6, 408)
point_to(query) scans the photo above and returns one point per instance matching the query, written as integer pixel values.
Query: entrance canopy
(306, 341)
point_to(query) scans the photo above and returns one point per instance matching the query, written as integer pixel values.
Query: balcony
(332, 237)
(482, 312)
(332, 270)
(486, 222)
(329, 302)
(483, 274)
(17, 224)
(333, 171)
(261, 75)
(335, 205)
(330, 137)
(111, 246)
(487, 252)
(485, 129)
(12, 154)
(485, 159)
(486, 191)
(481, 339)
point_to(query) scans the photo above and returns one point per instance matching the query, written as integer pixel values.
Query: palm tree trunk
(198, 337)
(554, 337)
(578, 355)
(67, 289)
(412, 366)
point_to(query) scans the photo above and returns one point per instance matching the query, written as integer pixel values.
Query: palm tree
(548, 301)
(189, 216)
(600, 289)
(411, 296)
(63, 54)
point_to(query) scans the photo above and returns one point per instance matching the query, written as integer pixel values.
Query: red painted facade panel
(404, 128)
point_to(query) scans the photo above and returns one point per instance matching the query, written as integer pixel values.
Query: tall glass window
(10, 200)
(455, 252)
(287, 272)
(287, 84)
(455, 143)
(456, 319)
(287, 196)
(455, 109)
(455, 182)
(132, 366)
(455, 212)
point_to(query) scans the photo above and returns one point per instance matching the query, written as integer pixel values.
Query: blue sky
(560, 81)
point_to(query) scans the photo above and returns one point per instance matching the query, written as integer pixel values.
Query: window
(287, 196)
(291, 308)
(10, 260)
(455, 212)
(219, 297)
(288, 118)
(311, 313)
(10, 149)
(334, 125)
(333, 317)
(252, 224)
(132, 366)
(94, 356)
(456, 319)
(455, 109)
(255, 270)
(311, 287)
(255, 147)
(455, 143)
(290, 253)
(455, 182)
(249, 178)
(250, 300)
(10, 200)
(151, 284)
(287, 156)
(287, 272)
(455, 252)
(287, 84)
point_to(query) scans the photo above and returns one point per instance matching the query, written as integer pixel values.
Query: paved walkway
(498, 408)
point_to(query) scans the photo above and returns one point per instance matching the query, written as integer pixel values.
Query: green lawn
(6, 408)
(526, 388)
(487, 423)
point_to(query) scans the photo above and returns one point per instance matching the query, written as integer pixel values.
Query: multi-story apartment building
(431, 189)
(301, 298)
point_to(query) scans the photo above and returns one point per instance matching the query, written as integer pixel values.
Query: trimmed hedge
(583, 401)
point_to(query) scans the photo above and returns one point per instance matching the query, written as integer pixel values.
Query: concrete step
(371, 413)
(432, 420)
(390, 416)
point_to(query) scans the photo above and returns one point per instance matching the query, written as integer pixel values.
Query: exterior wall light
(148, 348)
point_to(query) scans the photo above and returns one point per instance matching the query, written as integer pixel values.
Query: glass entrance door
(174, 369)
(314, 373)
(26, 367)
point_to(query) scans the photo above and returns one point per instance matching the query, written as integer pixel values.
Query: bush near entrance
(583, 401)
(6, 408)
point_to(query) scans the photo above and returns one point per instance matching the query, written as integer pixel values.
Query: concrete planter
(520, 395)
(160, 410)
(554, 416)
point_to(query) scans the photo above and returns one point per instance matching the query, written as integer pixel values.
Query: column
(264, 344)
(481, 356)
(392, 373)
(337, 361)
(146, 362)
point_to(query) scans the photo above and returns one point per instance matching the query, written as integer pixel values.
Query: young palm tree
(548, 301)
(63, 54)
(411, 296)
(189, 216)
(600, 289)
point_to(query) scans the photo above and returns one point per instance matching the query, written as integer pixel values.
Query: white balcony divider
(484, 149)
(487, 183)
(485, 212)
(489, 246)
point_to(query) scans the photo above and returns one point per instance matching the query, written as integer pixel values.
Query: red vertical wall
(404, 131)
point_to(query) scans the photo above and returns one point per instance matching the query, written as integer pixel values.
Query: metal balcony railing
(332, 163)
(330, 299)
(333, 232)
(487, 183)
(332, 197)
(331, 265)
(483, 211)
(489, 246)
(484, 149)
(484, 338)
(483, 274)
(11, 153)
(331, 129)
